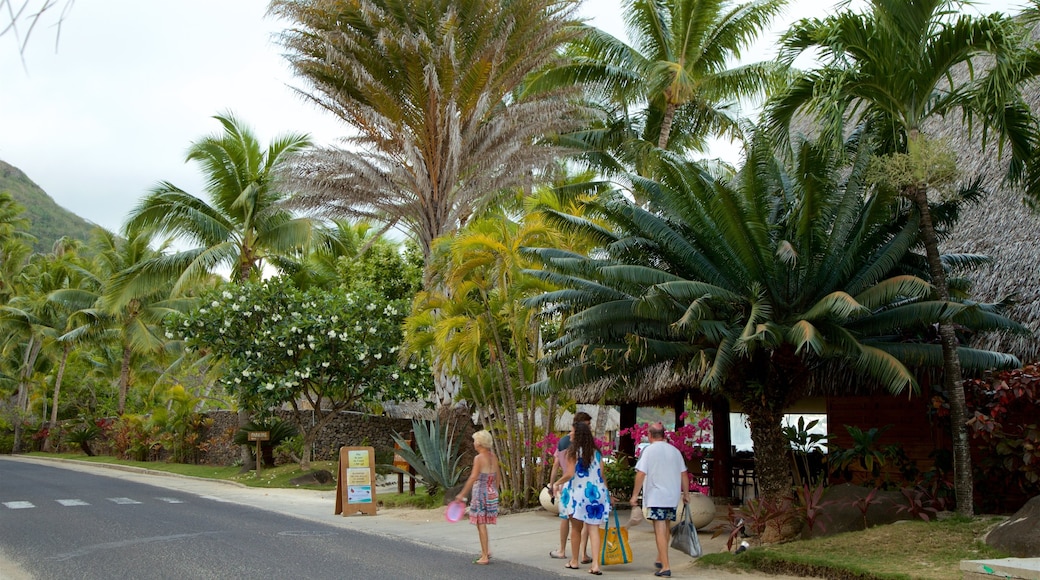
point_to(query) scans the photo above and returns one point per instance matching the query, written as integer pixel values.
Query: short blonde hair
(483, 439)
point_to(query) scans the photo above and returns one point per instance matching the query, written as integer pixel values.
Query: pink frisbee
(455, 511)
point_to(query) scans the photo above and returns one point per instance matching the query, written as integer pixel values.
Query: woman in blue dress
(588, 502)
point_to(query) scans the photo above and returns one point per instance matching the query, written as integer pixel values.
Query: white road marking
(123, 500)
(214, 498)
(169, 499)
(18, 505)
(71, 502)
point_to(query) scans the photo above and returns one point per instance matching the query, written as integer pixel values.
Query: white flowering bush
(327, 350)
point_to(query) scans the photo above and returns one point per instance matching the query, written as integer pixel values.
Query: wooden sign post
(355, 486)
(259, 436)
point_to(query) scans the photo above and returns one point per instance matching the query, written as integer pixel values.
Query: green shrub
(437, 458)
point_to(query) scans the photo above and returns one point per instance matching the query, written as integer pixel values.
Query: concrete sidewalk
(524, 538)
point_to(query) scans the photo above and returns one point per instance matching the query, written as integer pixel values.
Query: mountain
(49, 220)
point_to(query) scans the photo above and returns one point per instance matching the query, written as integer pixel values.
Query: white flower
(370, 307)
(169, 335)
(394, 376)
(372, 329)
(332, 334)
(335, 318)
(234, 307)
(357, 327)
(214, 304)
(310, 338)
(325, 364)
(226, 295)
(378, 355)
(270, 386)
(238, 381)
(411, 367)
(362, 356)
(289, 352)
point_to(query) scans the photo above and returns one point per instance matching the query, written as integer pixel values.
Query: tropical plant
(82, 435)
(1006, 435)
(242, 227)
(436, 457)
(318, 351)
(748, 286)
(279, 432)
(810, 506)
(804, 443)
(480, 322)
(675, 86)
(441, 125)
(117, 304)
(895, 66)
(864, 502)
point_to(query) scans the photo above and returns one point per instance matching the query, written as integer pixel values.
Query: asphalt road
(56, 524)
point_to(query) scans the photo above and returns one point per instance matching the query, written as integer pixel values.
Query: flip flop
(595, 572)
(478, 562)
(569, 567)
(586, 560)
(557, 554)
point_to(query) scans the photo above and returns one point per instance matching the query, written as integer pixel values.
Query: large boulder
(1020, 534)
(839, 512)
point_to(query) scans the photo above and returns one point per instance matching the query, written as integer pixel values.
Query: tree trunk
(124, 379)
(32, 350)
(245, 453)
(963, 481)
(771, 467)
(666, 126)
(66, 348)
(721, 438)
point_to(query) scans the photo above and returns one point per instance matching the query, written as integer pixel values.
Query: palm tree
(895, 67)
(33, 322)
(242, 225)
(749, 286)
(118, 306)
(432, 91)
(15, 243)
(675, 86)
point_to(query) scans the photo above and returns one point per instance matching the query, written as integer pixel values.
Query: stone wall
(348, 429)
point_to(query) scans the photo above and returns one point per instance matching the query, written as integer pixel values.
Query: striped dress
(483, 505)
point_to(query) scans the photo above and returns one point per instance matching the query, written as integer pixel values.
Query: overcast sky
(99, 120)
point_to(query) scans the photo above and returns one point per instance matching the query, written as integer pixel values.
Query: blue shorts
(661, 513)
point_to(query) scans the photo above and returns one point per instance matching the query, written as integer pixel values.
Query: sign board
(259, 435)
(355, 486)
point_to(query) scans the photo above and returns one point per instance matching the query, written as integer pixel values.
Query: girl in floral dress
(483, 480)
(588, 502)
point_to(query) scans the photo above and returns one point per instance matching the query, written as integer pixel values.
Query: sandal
(586, 560)
(557, 554)
(569, 567)
(595, 572)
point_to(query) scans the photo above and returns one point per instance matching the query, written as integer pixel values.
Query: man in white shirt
(661, 475)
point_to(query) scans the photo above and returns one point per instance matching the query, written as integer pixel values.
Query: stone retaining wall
(348, 429)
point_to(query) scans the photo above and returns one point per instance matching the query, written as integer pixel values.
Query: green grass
(421, 499)
(904, 550)
(273, 477)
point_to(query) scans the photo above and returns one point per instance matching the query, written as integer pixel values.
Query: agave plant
(436, 458)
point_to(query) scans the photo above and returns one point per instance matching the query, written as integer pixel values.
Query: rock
(1020, 534)
(316, 477)
(840, 513)
(702, 510)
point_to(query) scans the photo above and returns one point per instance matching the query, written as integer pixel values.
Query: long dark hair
(583, 445)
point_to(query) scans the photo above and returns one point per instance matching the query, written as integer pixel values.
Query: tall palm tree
(119, 307)
(895, 66)
(676, 85)
(748, 287)
(242, 225)
(431, 91)
(33, 322)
